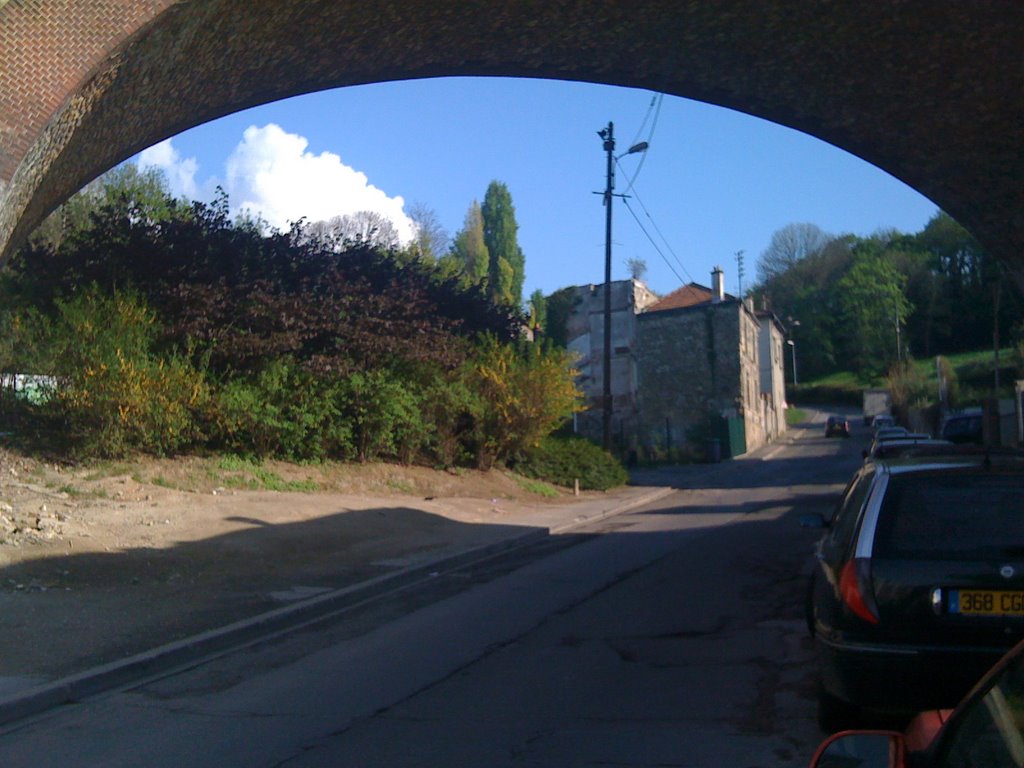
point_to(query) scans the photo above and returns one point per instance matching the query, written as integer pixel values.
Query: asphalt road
(670, 635)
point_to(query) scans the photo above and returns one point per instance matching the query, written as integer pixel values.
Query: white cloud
(272, 174)
(181, 173)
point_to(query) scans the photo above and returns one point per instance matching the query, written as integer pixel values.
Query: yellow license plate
(986, 602)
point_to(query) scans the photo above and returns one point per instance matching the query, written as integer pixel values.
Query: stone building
(585, 334)
(693, 367)
(771, 350)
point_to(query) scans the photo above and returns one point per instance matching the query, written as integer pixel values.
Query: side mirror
(813, 520)
(864, 749)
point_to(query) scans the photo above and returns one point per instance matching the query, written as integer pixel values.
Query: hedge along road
(669, 635)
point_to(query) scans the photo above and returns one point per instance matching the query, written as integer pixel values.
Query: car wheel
(834, 714)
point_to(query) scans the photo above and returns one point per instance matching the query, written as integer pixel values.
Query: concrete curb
(652, 495)
(191, 651)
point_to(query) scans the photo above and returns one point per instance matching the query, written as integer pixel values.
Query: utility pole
(899, 341)
(608, 134)
(739, 271)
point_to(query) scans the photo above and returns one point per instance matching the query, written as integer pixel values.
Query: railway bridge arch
(932, 92)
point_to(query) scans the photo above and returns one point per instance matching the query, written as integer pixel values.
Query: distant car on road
(918, 586)
(877, 402)
(837, 425)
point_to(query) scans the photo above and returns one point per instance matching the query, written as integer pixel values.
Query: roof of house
(688, 296)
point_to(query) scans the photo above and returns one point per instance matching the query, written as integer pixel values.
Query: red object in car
(986, 729)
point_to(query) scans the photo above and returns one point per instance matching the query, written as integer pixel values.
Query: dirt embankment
(98, 562)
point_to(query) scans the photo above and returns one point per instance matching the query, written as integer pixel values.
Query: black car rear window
(959, 515)
(847, 515)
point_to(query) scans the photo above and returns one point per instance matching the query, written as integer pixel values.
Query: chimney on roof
(717, 285)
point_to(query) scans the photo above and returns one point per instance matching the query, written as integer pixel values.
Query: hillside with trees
(867, 304)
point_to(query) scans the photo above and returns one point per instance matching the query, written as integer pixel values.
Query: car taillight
(855, 589)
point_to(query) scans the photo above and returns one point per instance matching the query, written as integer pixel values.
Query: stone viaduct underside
(930, 90)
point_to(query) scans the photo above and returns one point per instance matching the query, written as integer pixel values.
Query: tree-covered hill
(861, 304)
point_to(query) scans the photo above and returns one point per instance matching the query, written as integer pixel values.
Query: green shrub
(562, 460)
(283, 411)
(908, 386)
(524, 391)
(385, 416)
(114, 395)
(452, 411)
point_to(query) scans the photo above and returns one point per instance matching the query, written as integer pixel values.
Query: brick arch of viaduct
(932, 92)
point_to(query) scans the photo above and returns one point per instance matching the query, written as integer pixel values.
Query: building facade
(772, 351)
(585, 334)
(694, 370)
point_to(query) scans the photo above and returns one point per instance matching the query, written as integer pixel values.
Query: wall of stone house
(751, 404)
(585, 331)
(771, 349)
(688, 369)
(693, 363)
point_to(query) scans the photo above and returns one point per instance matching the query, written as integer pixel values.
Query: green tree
(144, 191)
(470, 250)
(806, 292)
(507, 270)
(872, 311)
(974, 299)
(560, 306)
(538, 311)
(116, 395)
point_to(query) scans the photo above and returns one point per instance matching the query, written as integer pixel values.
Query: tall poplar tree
(507, 268)
(469, 248)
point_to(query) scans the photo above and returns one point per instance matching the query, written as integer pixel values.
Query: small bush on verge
(561, 460)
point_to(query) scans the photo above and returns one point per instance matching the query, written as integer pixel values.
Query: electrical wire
(657, 229)
(651, 239)
(656, 107)
(662, 236)
(650, 109)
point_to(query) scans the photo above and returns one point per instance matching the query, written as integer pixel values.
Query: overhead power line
(657, 249)
(654, 107)
(664, 240)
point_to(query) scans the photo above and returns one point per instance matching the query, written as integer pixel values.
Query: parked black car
(837, 425)
(918, 445)
(919, 581)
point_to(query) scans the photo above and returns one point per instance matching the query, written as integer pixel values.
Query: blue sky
(713, 182)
